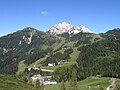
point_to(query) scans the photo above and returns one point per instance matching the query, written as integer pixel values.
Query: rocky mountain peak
(63, 27)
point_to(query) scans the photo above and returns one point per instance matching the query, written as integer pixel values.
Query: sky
(97, 15)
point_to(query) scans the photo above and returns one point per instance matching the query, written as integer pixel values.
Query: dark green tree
(101, 88)
(62, 85)
(37, 85)
(73, 81)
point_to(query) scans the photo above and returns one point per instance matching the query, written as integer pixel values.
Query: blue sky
(97, 15)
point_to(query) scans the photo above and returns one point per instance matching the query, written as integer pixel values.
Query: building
(46, 80)
(51, 64)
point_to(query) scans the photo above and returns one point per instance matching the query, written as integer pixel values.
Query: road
(112, 85)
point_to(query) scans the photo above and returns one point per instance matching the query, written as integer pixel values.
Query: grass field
(11, 83)
(21, 67)
(95, 83)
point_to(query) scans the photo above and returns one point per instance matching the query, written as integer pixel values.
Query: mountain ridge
(65, 50)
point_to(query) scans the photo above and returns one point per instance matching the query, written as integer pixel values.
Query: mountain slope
(102, 57)
(11, 83)
(28, 44)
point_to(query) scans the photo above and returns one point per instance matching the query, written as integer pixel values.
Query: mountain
(68, 27)
(85, 53)
(31, 44)
(28, 44)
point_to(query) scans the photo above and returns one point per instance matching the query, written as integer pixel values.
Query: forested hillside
(28, 44)
(102, 57)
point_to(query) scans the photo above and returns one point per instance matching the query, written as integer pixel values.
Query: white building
(51, 64)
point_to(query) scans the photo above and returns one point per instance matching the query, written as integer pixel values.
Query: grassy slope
(21, 67)
(55, 47)
(58, 45)
(61, 45)
(94, 83)
(74, 55)
(83, 85)
(38, 62)
(95, 36)
(10, 83)
(72, 61)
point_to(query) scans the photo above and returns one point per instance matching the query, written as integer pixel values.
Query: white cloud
(44, 12)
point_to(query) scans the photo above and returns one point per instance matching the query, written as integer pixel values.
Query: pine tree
(73, 81)
(42, 86)
(62, 85)
(101, 88)
(37, 85)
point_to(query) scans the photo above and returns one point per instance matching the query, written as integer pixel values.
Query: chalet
(46, 80)
(51, 64)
